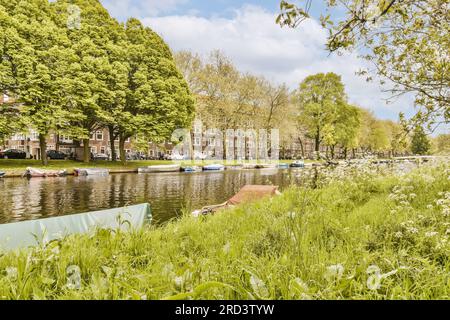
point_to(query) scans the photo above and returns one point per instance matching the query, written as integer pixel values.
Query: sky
(247, 33)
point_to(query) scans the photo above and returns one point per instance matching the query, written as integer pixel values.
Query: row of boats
(219, 167)
(43, 173)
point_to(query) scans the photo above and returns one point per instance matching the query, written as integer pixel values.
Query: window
(65, 139)
(197, 141)
(211, 141)
(102, 150)
(34, 135)
(99, 135)
(127, 150)
(152, 153)
(128, 140)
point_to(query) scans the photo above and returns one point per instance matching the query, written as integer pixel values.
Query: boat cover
(253, 192)
(33, 172)
(92, 172)
(34, 232)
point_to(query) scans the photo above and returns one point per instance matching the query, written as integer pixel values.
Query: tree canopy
(73, 69)
(406, 41)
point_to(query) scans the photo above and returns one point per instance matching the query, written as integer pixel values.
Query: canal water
(168, 193)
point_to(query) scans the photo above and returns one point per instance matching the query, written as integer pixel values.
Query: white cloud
(139, 8)
(256, 44)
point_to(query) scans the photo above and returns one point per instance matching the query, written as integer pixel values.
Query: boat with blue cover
(298, 164)
(192, 169)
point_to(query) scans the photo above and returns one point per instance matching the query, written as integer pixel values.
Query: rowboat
(283, 166)
(266, 166)
(161, 168)
(35, 232)
(40, 173)
(234, 167)
(91, 172)
(214, 167)
(249, 193)
(298, 164)
(249, 166)
(192, 169)
(2, 174)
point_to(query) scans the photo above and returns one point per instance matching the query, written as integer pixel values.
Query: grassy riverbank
(362, 234)
(18, 167)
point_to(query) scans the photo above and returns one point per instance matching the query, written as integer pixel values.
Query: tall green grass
(367, 236)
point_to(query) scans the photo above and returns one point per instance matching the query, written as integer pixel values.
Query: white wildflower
(226, 248)
(398, 234)
(259, 287)
(431, 234)
(11, 273)
(73, 273)
(334, 272)
(179, 281)
(374, 282)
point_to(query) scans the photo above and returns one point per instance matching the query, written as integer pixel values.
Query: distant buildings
(202, 139)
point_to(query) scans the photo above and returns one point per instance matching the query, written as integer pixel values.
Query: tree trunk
(86, 151)
(123, 158)
(112, 143)
(345, 153)
(332, 151)
(57, 142)
(302, 148)
(318, 144)
(43, 147)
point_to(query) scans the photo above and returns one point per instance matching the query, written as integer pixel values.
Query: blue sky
(246, 32)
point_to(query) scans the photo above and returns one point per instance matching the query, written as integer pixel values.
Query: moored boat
(283, 166)
(34, 232)
(298, 164)
(40, 173)
(2, 174)
(266, 166)
(91, 172)
(247, 194)
(249, 166)
(192, 169)
(161, 168)
(214, 167)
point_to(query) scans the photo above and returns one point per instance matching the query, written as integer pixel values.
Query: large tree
(406, 41)
(37, 73)
(420, 144)
(158, 99)
(320, 99)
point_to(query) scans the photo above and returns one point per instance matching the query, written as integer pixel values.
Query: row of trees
(317, 111)
(73, 69)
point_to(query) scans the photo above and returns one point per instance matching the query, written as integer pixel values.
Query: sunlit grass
(366, 237)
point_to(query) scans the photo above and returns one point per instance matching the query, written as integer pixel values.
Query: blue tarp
(35, 232)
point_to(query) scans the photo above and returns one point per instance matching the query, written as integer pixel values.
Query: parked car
(56, 155)
(13, 154)
(100, 156)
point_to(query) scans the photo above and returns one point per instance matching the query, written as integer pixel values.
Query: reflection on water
(168, 193)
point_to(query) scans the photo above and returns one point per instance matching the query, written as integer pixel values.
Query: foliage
(407, 41)
(73, 70)
(366, 233)
(441, 144)
(324, 111)
(420, 144)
